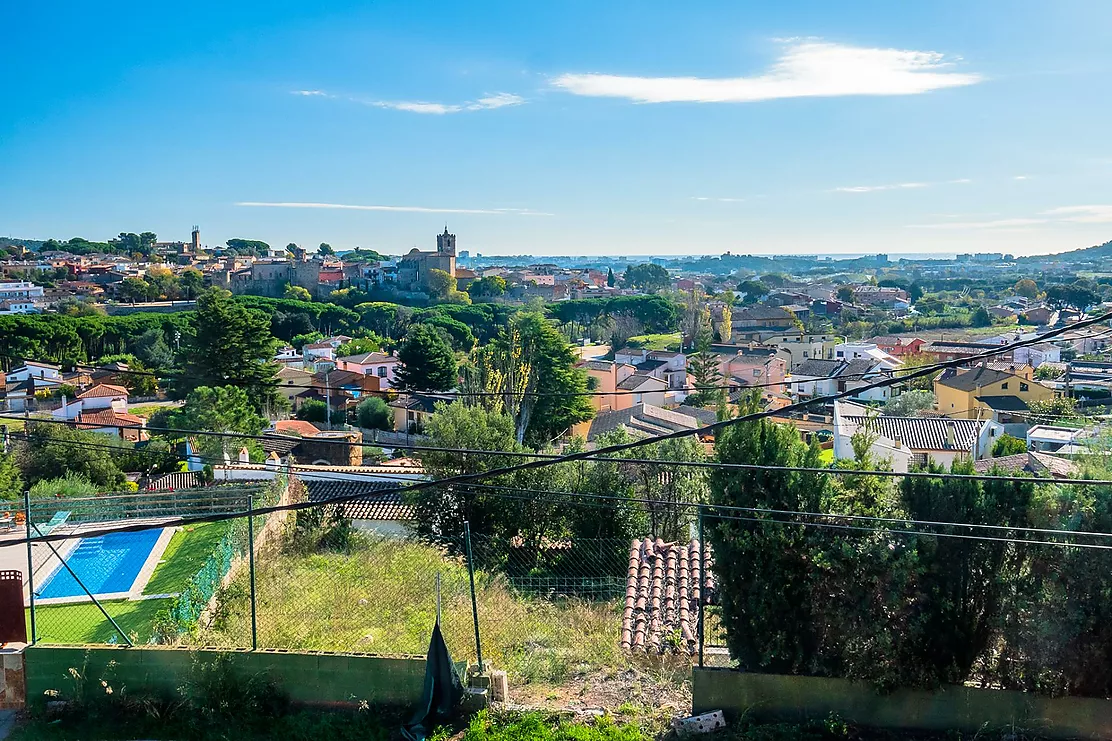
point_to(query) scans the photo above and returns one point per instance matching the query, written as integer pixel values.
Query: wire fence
(838, 594)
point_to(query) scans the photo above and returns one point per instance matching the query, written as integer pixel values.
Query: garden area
(187, 552)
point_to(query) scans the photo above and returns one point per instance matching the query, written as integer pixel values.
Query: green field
(84, 623)
(656, 341)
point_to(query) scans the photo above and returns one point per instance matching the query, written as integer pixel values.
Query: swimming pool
(106, 564)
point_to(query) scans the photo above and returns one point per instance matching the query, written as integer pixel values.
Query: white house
(817, 377)
(866, 350)
(17, 306)
(49, 374)
(644, 389)
(907, 442)
(23, 290)
(1036, 355)
(1051, 438)
(95, 399)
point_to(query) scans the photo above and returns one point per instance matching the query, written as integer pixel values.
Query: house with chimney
(987, 389)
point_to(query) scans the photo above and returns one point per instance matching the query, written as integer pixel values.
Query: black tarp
(442, 693)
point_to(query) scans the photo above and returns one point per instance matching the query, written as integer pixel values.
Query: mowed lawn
(187, 552)
(84, 623)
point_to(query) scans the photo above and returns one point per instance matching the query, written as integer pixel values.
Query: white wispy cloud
(1092, 214)
(404, 209)
(718, 199)
(810, 68)
(896, 186)
(874, 188)
(488, 102)
(1021, 177)
(994, 224)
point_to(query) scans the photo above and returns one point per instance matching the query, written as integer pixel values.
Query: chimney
(951, 434)
(273, 461)
(244, 455)
(898, 442)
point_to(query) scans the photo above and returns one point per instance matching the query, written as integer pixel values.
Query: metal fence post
(30, 563)
(474, 599)
(702, 585)
(251, 568)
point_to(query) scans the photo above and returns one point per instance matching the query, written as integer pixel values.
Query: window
(838, 354)
(1004, 386)
(756, 373)
(1024, 387)
(381, 371)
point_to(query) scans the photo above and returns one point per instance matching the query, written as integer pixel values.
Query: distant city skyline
(572, 129)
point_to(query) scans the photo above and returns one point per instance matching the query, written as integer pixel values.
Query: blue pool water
(105, 564)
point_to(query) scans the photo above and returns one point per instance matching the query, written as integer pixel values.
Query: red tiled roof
(662, 595)
(300, 426)
(108, 418)
(101, 390)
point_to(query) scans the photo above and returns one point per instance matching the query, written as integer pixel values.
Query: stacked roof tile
(664, 586)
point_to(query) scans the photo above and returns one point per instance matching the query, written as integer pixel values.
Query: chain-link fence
(333, 578)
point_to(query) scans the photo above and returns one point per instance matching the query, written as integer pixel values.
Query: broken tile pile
(662, 596)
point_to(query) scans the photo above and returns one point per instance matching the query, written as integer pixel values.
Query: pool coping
(137, 586)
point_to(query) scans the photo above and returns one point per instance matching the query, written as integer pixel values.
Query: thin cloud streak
(402, 209)
(1094, 214)
(488, 102)
(806, 69)
(718, 200)
(995, 224)
(896, 186)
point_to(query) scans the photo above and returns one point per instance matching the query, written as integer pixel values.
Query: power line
(596, 456)
(463, 478)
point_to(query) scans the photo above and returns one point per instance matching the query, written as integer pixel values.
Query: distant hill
(31, 244)
(1087, 254)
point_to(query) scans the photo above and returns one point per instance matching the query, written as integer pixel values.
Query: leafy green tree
(359, 346)
(134, 290)
(981, 317)
(1047, 411)
(191, 282)
(140, 382)
(427, 362)
(845, 294)
(325, 249)
(316, 411)
(1027, 288)
(232, 346)
(248, 246)
(52, 450)
(1008, 445)
(752, 291)
(217, 409)
(490, 285)
(439, 284)
(150, 347)
(297, 293)
(301, 340)
(909, 403)
(762, 566)
(610, 280)
(706, 371)
(374, 413)
(70, 485)
(11, 481)
(556, 390)
(647, 276)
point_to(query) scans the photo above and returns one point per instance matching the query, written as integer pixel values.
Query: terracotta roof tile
(663, 592)
(102, 390)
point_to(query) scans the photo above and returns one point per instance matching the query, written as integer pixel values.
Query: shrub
(70, 485)
(374, 413)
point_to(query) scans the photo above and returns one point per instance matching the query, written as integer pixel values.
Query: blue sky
(563, 128)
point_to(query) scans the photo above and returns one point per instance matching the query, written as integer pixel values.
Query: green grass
(655, 341)
(84, 623)
(184, 556)
(381, 599)
(146, 410)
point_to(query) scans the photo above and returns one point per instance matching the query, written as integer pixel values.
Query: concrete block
(499, 686)
(698, 724)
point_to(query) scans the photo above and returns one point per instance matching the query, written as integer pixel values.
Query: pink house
(377, 364)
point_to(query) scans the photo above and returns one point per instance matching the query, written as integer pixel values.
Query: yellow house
(983, 391)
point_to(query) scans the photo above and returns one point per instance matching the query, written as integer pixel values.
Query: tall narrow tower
(446, 243)
(196, 239)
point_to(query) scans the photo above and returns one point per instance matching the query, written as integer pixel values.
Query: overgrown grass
(381, 598)
(186, 553)
(656, 341)
(84, 623)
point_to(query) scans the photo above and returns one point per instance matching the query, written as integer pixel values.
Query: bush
(70, 485)
(374, 413)
(316, 411)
